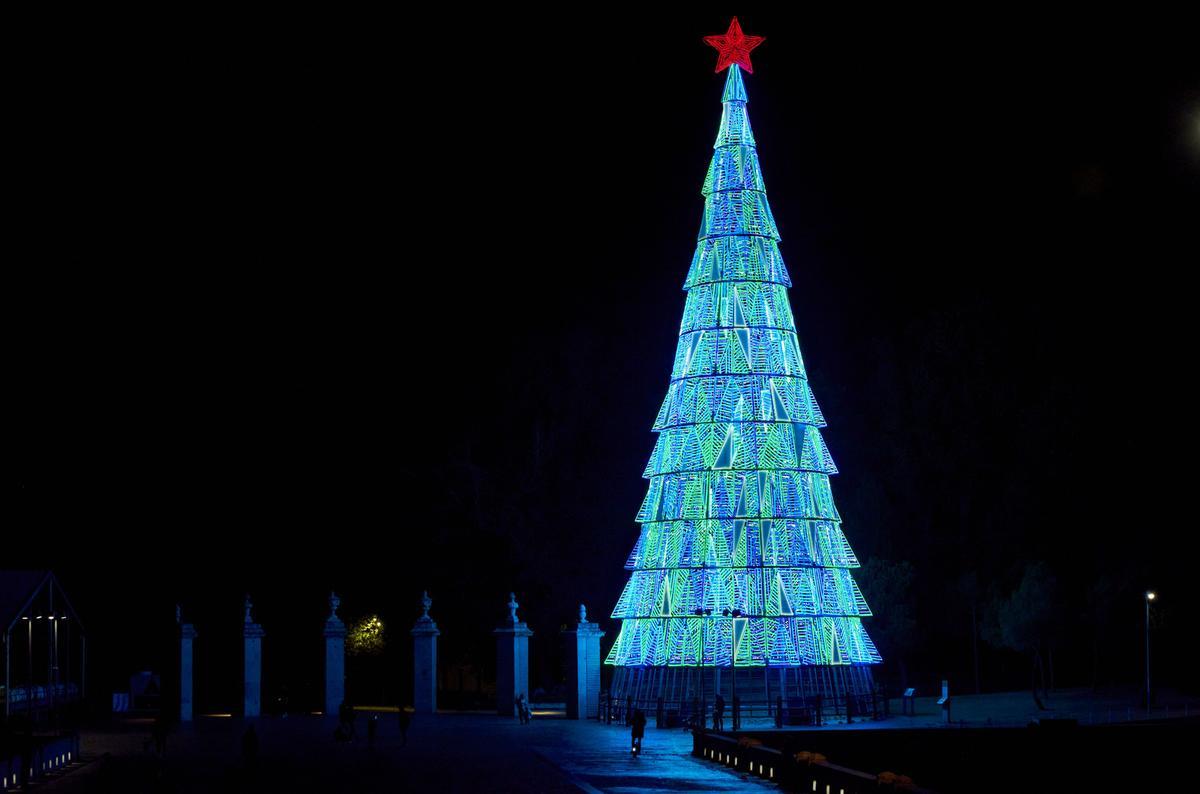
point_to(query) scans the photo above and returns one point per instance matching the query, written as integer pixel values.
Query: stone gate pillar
(425, 633)
(512, 660)
(252, 635)
(187, 635)
(583, 668)
(335, 658)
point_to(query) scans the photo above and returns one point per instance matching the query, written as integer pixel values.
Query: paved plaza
(446, 752)
(451, 752)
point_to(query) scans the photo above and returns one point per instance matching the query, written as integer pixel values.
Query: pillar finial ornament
(334, 603)
(426, 603)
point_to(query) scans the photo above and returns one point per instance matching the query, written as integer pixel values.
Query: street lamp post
(29, 672)
(1150, 596)
(699, 660)
(733, 701)
(704, 643)
(702, 613)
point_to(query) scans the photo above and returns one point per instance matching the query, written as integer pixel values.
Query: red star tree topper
(734, 47)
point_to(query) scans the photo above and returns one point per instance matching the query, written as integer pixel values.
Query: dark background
(384, 306)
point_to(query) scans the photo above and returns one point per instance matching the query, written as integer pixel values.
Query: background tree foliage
(1024, 621)
(888, 587)
(365, 637)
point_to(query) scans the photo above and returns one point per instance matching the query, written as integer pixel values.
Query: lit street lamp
(1150, 595)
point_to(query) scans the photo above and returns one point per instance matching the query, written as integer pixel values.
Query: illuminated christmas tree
(741, 560)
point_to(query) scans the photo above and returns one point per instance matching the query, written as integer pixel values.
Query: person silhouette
(638, 730)
(405, 717)
(347, 715)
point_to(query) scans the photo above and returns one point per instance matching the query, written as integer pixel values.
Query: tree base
(758, 689)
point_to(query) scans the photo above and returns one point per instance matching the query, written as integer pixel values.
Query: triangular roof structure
(19, 589)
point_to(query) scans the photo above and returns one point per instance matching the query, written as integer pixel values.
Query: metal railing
(699, 713)
(35, 762)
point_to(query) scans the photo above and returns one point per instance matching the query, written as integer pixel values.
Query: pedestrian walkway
(445, 753)
(597, 758)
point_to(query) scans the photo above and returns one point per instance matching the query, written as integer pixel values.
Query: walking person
(372, 728)
(405, 717)
(638, 721)
(719, 713)
(344, 720)
(522, 704)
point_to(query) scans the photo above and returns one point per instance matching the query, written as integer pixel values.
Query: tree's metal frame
(739, 514)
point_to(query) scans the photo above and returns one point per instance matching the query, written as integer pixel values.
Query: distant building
(43, 644)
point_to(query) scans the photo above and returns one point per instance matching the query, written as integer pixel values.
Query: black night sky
(386, 308)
